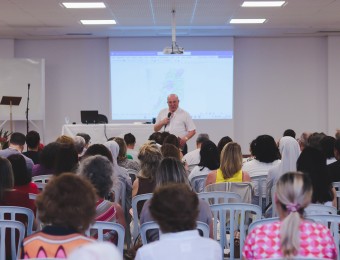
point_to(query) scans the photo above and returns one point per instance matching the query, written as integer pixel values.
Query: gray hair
(202, 138)
(99, 171)
(79, 144)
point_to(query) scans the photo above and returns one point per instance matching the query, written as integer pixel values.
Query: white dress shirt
(185, 245)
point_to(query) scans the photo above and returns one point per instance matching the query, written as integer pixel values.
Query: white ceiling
(44, 19)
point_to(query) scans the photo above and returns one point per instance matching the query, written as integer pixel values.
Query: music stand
(10, 101)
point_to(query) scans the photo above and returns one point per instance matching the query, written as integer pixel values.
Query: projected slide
(141, 81)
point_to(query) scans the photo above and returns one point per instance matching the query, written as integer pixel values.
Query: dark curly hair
(175, 208)
(68, 200)
(210, 157)
(264, 149)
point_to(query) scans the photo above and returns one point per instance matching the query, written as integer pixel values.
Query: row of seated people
(150, 156)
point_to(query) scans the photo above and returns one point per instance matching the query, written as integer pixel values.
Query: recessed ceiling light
(235, 21)
(263, 3)
(85, 5)
(98, 22)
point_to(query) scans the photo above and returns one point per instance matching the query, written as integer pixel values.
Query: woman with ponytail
(291, 236)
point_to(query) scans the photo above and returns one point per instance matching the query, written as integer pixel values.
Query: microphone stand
(28, 100)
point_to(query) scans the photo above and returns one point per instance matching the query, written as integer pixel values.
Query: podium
(10, 101)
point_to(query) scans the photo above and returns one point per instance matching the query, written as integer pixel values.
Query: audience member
(290, 151)
(79, 145)
(99, 171)
(289, 132)
(266, 156)
(47, 160)
(291, 236)
(67, 206)
(96, 251)
(150, 157)
(22, 178)
(223, 141)
(327, 148)
(11, 197)
(313, 163)
(122, 159)
(98, 149)
(303, 140)
(87, 139)
(66, 159)
(175, 208)
(193, 158)
(130, 141)
(65, 139)
(334, 168)
(169, 171)
(230, 169)
(33, 142)
(209, 161)
(170, 150)
(314, 140)
(157, 137)
(16, 146)
(337, 134)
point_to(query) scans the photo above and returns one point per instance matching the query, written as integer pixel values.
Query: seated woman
(99, 171)
(171, 170)
(122, 159)
(292, 235)
(47, 160)
(175, 208)
(313, 163)
(66, 206)
(22, 177)
(149, 156)
(230, 169)
(209, 162)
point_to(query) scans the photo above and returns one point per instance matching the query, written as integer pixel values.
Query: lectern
(10, 101)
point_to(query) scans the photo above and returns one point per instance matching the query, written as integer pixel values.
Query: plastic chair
(135, 201)
(101, 227)
(145, 227)
(244, 189)
(238, 220)
(197, 183)
(133, 174)
(313, 209)
(13, 226)
(11, 212)
(336, 185)
(120, 193)
(41, 180)
(219, 197)
(260, 194)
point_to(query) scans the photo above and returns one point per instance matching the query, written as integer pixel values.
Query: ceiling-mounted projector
(174, 49)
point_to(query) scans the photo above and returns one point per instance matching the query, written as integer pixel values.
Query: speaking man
(176, 121)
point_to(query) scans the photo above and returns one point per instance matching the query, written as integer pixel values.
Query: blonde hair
(294, 193)
(150, 157)
(231, 159)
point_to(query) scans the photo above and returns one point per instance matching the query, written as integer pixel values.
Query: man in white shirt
(176, 121)
(175, 209)
(193, 158)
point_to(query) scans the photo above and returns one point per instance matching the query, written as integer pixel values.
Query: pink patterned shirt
(316, 241)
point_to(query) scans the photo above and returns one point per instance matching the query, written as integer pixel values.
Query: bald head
(173, 102)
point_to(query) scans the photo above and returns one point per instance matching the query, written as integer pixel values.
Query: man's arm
(158, 126)
(185, 138)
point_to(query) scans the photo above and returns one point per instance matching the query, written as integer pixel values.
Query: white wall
(279, 83)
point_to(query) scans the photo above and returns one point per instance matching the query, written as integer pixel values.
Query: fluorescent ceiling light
(236, 21)
(85, 5)
(263, 3)
(98, 21)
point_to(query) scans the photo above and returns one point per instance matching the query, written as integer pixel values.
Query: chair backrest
(336, 186)
(120, 193)
(261, 222)
(101, 227)
(219, 197)
(260, 197)
(198, 182)
(244, 189)
(15, 243)
(145, 227)
(237, 216)
(313, 209)
(135, 200)
(13, 212)
(41, 180)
